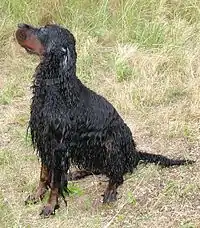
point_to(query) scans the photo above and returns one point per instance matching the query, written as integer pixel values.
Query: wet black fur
(71, 124)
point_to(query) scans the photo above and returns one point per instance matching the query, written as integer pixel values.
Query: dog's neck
(56, 65)
(58, 71)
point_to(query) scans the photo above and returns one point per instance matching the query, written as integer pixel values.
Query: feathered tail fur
(162, 160)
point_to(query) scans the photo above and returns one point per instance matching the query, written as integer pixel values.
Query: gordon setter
(71, 124)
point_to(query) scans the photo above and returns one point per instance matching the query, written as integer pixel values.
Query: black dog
(69, 123)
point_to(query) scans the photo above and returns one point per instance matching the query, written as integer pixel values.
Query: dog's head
(44, 40)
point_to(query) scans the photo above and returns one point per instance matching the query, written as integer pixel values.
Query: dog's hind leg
(80, 174)
(114, 170)
(110, 194)
(42, 188)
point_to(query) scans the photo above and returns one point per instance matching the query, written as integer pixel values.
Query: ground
(143, 56)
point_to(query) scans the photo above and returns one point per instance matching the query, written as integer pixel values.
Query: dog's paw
(109, 197)
(48, 210)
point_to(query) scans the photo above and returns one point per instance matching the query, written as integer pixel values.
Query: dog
(71, 124)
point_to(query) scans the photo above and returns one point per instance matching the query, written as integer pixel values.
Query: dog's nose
(22, 25)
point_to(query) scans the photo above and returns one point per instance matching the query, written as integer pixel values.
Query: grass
(144, 57)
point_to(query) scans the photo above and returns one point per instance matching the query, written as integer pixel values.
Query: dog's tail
(162, 160)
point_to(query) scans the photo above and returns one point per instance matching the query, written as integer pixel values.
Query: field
(144, 57)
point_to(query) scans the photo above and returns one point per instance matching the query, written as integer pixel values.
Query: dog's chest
(51, 114)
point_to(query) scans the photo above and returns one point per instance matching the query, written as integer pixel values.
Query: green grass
(143, 56)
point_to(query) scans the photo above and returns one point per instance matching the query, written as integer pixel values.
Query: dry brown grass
(157, 92)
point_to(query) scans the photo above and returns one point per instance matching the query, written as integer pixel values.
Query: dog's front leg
(42, 187)
(55, 185)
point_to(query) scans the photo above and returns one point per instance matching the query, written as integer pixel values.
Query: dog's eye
(42, 29)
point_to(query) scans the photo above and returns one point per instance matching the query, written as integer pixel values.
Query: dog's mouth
(29, 50)
(26, 37)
